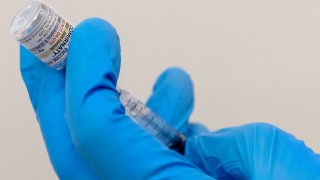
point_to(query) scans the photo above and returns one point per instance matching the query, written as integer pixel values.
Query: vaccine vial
(43, 32)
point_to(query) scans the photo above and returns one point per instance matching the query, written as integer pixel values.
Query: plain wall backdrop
(250, 61)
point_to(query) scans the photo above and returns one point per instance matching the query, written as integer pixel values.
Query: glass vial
(43, 32)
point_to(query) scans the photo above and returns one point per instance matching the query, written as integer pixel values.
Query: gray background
(250, 61)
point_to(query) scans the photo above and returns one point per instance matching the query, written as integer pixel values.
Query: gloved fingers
(40, 79)
(253, 151)
(220, 153)
(29, 62)
(173, 100)
(65, 159)
(46, 90)
(109, 141)
(172, 97)
(195, 129)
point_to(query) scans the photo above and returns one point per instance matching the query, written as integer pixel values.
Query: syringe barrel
(153, 123)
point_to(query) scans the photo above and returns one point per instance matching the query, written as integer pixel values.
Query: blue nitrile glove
(95, 139)
(254, 151)
(84, 126)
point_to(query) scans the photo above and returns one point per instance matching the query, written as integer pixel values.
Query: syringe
(153, 123)
(42, 31)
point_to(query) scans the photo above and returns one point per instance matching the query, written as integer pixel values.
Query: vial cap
(26, 19)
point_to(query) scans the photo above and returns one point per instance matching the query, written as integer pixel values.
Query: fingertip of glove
(172, 97)
(93, 31)
(176, 77)
(94, 37)
(30, 65)
(95, 24)
(27, 59)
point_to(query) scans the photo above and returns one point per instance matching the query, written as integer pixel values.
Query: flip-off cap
(27, 19)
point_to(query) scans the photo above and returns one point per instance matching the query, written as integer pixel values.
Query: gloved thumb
(173, 99)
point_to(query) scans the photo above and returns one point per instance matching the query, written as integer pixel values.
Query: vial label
(50, 41)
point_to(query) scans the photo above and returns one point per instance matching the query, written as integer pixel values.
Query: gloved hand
(88, 136)
(84, 126)
(253, 151)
